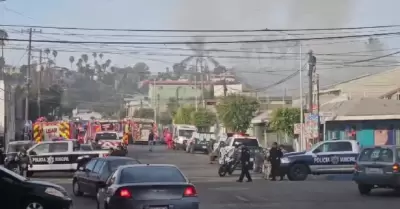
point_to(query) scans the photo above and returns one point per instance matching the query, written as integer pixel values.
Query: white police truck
(63, 155)
(326, 157)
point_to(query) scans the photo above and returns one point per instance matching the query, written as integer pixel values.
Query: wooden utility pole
(40, 83)
(311, 70)
(28, 77)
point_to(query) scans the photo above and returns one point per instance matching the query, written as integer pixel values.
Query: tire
(222, 171)
(29, 174)
(34, 204)
(298, 172)
(191, 150)
(76, 189)
(364, 189)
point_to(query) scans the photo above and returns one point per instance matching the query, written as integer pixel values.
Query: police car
(59, 155)
(327, 157)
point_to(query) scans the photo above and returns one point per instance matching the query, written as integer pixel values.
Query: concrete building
(136, 103)
(380, 85)
(370, 121)
(232, 88)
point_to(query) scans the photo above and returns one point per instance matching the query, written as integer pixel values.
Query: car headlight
(54, 192)
(285, 160)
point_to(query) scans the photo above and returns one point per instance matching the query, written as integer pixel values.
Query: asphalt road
(225, 193)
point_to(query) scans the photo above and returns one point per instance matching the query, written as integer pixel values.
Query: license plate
(374, 171)
(157, 207)
(251, 159)
(204, 147)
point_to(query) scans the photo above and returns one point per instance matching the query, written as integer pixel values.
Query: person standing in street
(275, 155)
(151, 140)
(245, 163)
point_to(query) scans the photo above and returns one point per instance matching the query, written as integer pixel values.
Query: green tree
(165, 118)
(203, 118)
(144, 113)
(236, 112)
(172, 106)
(283, 120)
(183, 115)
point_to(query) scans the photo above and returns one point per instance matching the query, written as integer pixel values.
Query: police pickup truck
(59, 156)
(327, 157)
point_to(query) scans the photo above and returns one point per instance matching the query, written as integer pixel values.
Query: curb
(339, 177)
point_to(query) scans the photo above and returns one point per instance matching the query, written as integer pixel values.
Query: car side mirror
(32, 153)
(317, 151)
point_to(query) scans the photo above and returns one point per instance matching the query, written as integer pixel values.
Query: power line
(199, 31)
(201, 42)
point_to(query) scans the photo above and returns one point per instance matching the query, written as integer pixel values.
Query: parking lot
(216, 192)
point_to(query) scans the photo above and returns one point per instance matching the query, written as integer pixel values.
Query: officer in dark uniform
(275, 155)
(245, 163)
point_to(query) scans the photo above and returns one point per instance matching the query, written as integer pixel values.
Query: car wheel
(222, 171)
(29, 174)
(76, 189)
(298, 172)
(364, 189)
(33, 204)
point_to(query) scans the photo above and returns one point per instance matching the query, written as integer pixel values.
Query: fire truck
(100, 126)
(141, 128)
(44, 130)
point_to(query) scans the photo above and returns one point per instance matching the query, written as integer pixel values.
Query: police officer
(275, 155)
(24, 159)
(245, 163)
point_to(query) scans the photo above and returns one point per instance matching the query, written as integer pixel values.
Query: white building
(234, 88)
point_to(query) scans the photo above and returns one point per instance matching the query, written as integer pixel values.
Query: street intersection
(224, 193)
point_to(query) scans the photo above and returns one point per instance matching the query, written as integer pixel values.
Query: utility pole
(224, 84)
(158, 107)
(40, 82)
(311, 70)
(28, 77)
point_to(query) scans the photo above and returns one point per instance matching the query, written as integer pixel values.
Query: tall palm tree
(101, 55)
(47, 52)
(71, 60)
(85, 58)
(54, 53)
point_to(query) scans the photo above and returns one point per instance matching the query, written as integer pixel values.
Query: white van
(181, 134)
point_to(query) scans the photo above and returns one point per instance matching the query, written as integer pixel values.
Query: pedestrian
(151, 140)
(168, 139)
(284, 151)
(275, 155)
(245, 163)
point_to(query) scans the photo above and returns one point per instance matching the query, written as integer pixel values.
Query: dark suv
(378, 167)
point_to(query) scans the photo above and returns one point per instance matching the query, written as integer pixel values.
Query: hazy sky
(196, 14)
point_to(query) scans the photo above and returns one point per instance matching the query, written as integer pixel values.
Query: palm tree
(71, 60)
(101, 56)
(79, 64)
(47, 52)
(85, 58)
(55, 53)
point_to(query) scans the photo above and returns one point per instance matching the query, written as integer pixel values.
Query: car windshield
(13, 174)
(114, 164)
(107, 136)
(248, 142)
(376, 154)
(151, 174)
(16, 147)
(186, 133)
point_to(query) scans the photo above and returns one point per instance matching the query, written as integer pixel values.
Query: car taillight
(125, 193)
(396, 168)
(190, 191)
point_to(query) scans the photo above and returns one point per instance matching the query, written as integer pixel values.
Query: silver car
(150, 186)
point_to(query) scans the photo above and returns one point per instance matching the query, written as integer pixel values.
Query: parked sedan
(19, 192)
(88, 177)
(147, 186)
